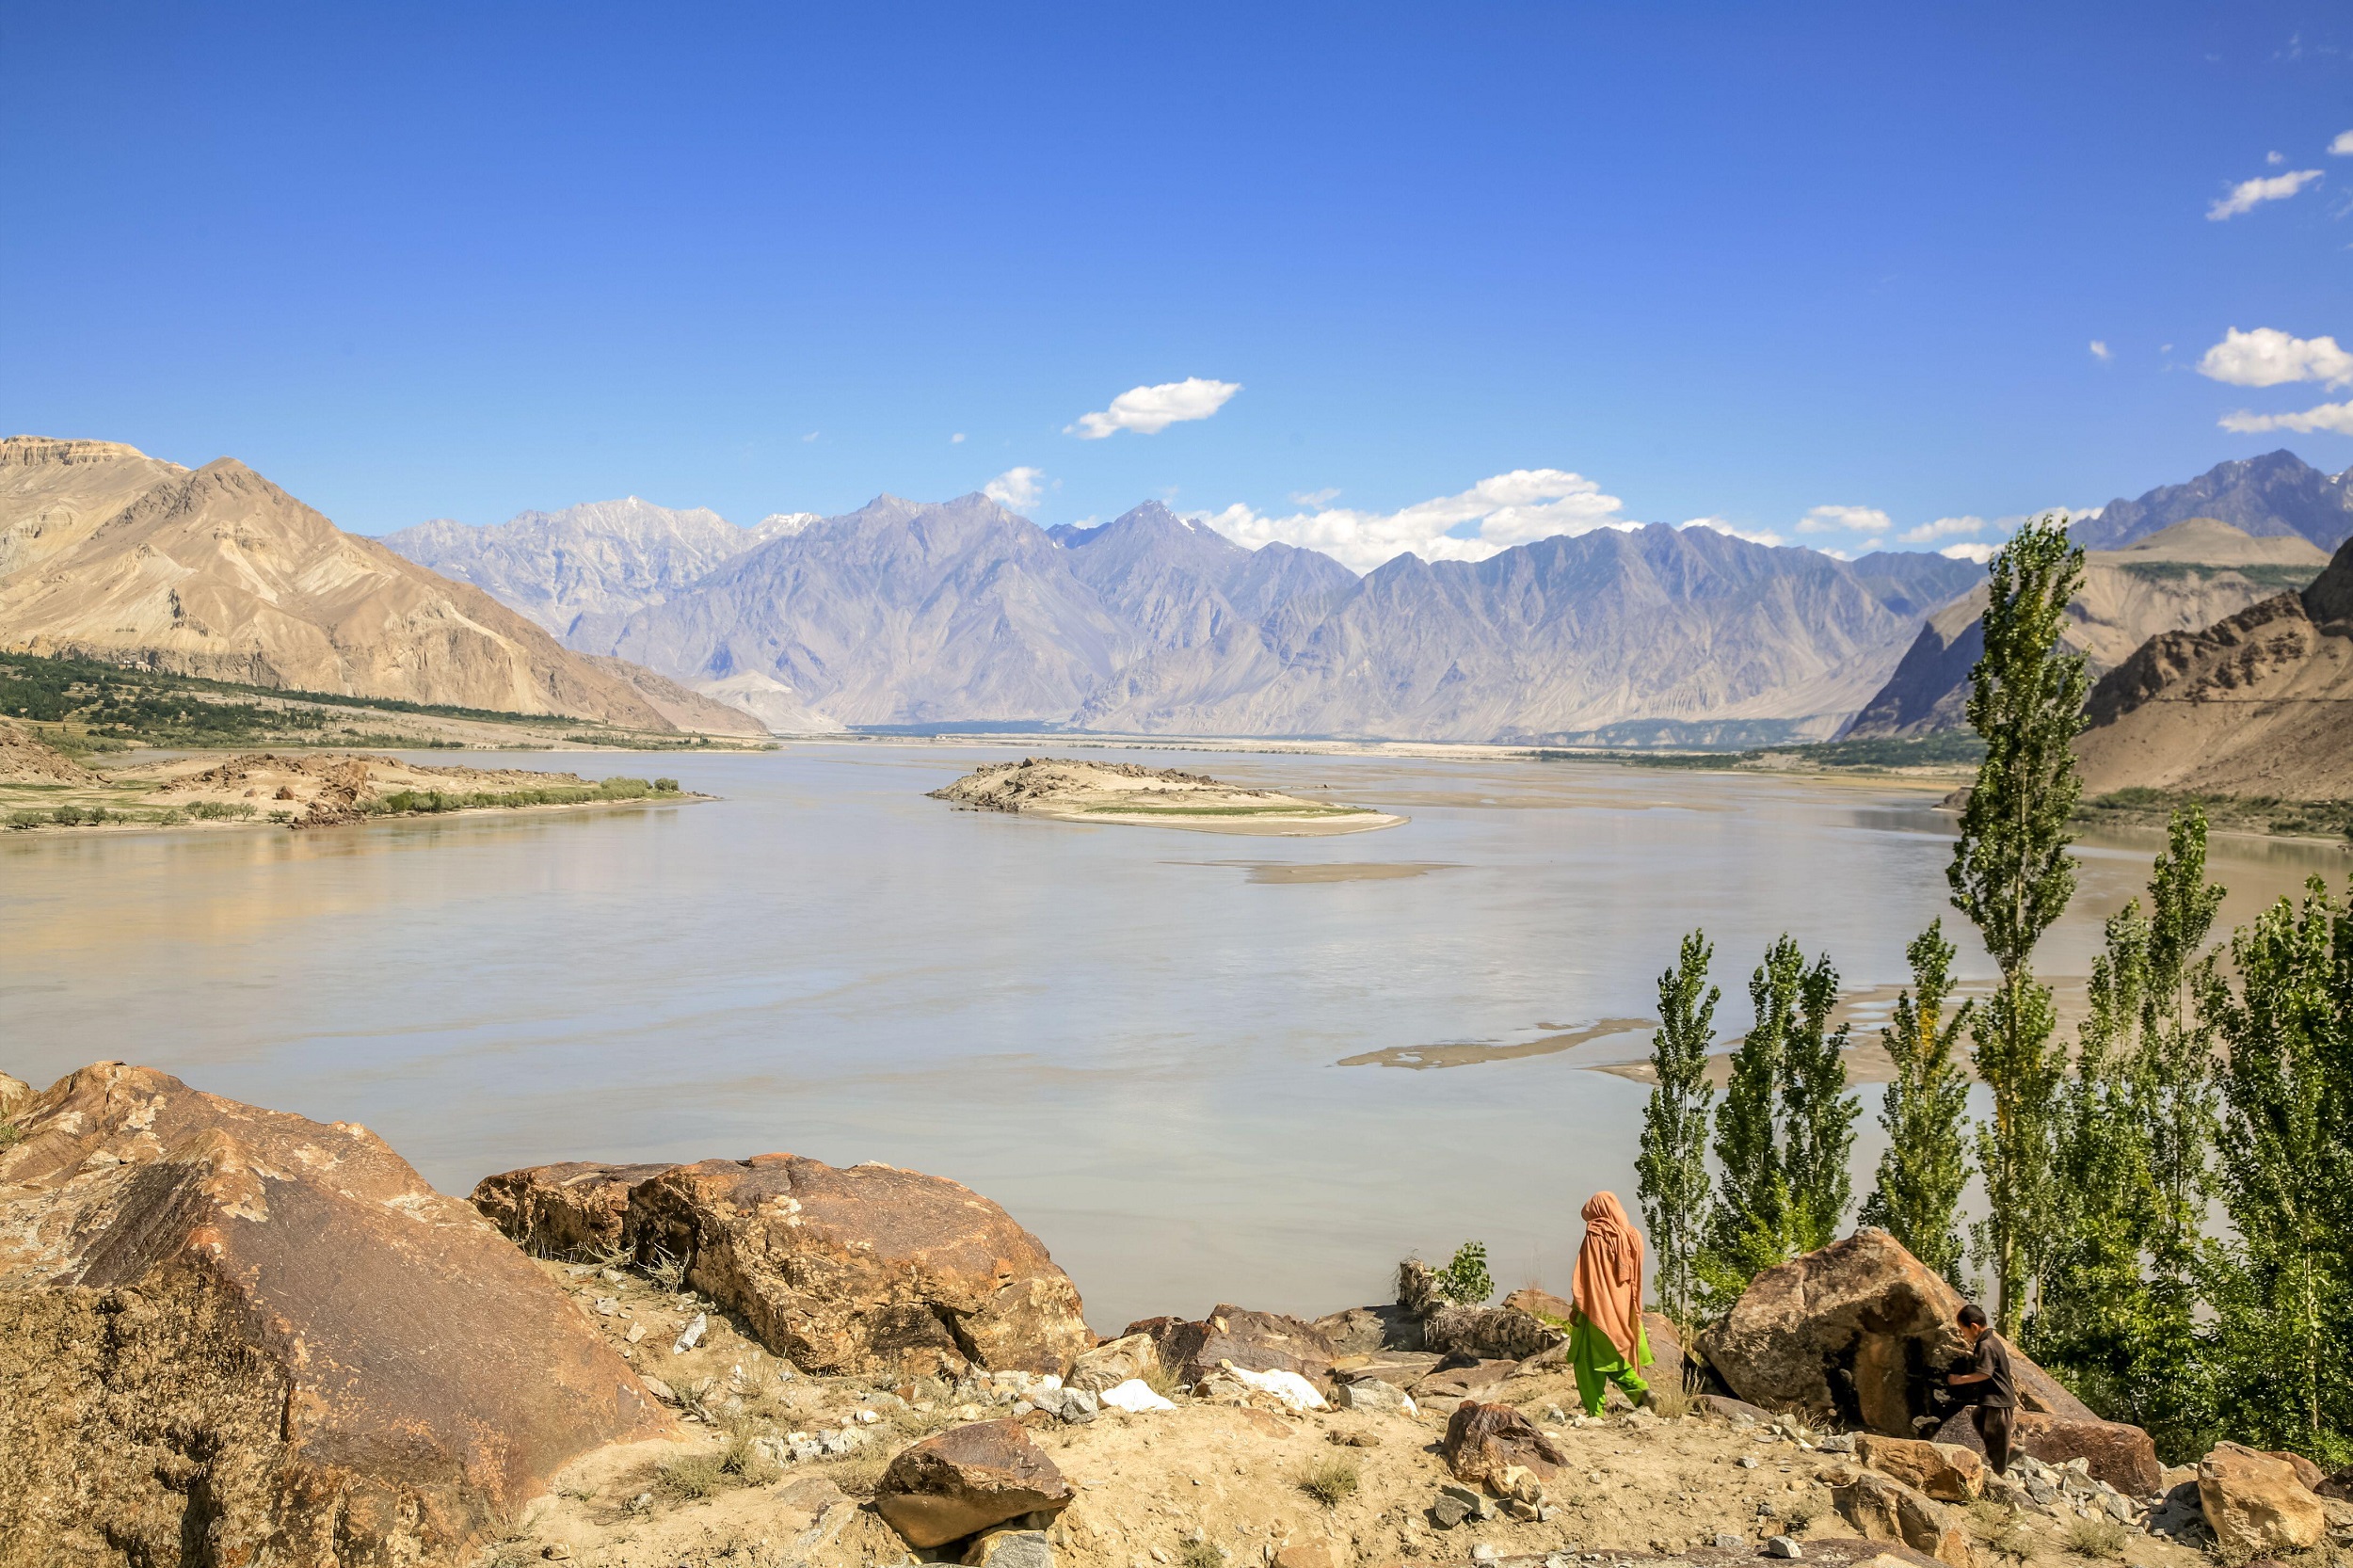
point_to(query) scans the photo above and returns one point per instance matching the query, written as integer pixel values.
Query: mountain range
(107, 553)
(2268, 497)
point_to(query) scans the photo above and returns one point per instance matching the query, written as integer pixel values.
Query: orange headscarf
(1608, 1287)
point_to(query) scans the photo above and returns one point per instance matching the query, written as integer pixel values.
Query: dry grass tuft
(858, 1472)
(691, 1475)
(2100, 1538)
(1330, 1482)
(1668, 1400)
(1199, 1553)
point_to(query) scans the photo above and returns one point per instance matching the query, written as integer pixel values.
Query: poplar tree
(2284, 1322)
(1818, 1118)
(1671, 1170)
(1917, 1196)
(1749, 1229)
(2011, 875)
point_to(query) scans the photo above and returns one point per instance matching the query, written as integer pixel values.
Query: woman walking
(1606, 1340)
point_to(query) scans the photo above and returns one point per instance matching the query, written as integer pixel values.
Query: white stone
(1290, 1387)
(1134, 1396)
(692, 1335)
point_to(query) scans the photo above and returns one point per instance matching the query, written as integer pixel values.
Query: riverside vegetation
(2169, 1220)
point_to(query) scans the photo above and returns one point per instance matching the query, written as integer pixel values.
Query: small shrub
(28, 819)
(1331, 1481)
(171, 818)
(665, 1270)
(1199, 1553)
(1466, 1281)
(665, 786)
(219, 810)
(691, 1475)
(10, 1135)
(2101, 1539)
(282, 818)
(66, 816)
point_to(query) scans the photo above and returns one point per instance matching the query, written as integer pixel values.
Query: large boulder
(1512, 1331)
(1254, 1341)
(577, 1209)
(1115, 1362)
(2257, 1505)
(869, 1268)
(1483, 1440)
(13, 1093)
(235, 1336)
(1856, 1331)
(2123, 1456)
(1946, 1471)
(965, 1479)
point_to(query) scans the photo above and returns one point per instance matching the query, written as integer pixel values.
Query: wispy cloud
(2100, 350)
(2334, 417)
(2249, 193)
(1492, 515)
(1943, 528)
(956, 440)
(2343, 145)
(1845, 519)
(1314, 498)
(2267, 357)
(1149, 411)
(1017, 490)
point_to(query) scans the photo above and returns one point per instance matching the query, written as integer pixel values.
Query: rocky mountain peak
(31, 451)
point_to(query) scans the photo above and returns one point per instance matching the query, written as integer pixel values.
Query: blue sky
(1735, 262)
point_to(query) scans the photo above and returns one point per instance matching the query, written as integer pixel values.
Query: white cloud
(1017, 490)
(1759, 536)
(1943, 528)
(1975, 550)
(1495, 513)
(1147, 410)
(2100, 350)
(956, 440)
(811, 436)
(1839, 519)
(2343, 145)
(2274, 159)
(1313, 498)
(2249, 194)
(2267, 357)
(2336, 417)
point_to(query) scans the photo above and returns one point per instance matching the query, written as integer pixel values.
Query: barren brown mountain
(2256, 704)
(107, 553)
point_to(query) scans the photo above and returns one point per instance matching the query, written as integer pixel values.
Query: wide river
(1131, 1037)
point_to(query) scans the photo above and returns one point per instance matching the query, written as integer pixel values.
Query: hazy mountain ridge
(902, 613)
(2265, 497)
(607, 558)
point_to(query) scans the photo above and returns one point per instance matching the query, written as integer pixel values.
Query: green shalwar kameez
(1599, 1364)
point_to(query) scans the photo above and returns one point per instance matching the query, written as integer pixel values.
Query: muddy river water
(1131, 1037)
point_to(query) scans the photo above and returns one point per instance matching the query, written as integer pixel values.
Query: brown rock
(967, 1478)
(1370, 1330)
(1945, 1471)
(1483, 1440)
(2256, 1504)
(864, 1270)
(568, 1210)
(234, 1335)
(1460, 1382)
(1254, 1341)
(2339, 1486)
(1112, 1363)
(1398, 1368)
(13, 1093)
(2122, 1455)
(2306, 1471)
(1883, 1509)
(1308, 1554)
(1855, 1329)
(1732, 1409)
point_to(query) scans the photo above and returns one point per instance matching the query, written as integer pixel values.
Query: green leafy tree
(1749, 1229)
(2011, 876)
(2282, 1290)
(1917, 1197)
(1464, 1280)
(1671, 1170)
(1818, 1116)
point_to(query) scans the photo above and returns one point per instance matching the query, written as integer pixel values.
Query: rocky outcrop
(1115, 1362)
(2257, 1505)
(576, 1209)
(230, 1334)
(2123, 1456)
(1254, 1341)
(869, 1268)
(1855, 1329)
(1484, 1440)
(1882, 1508)
(13, 1093)
(26, 759)
(967, 1478)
